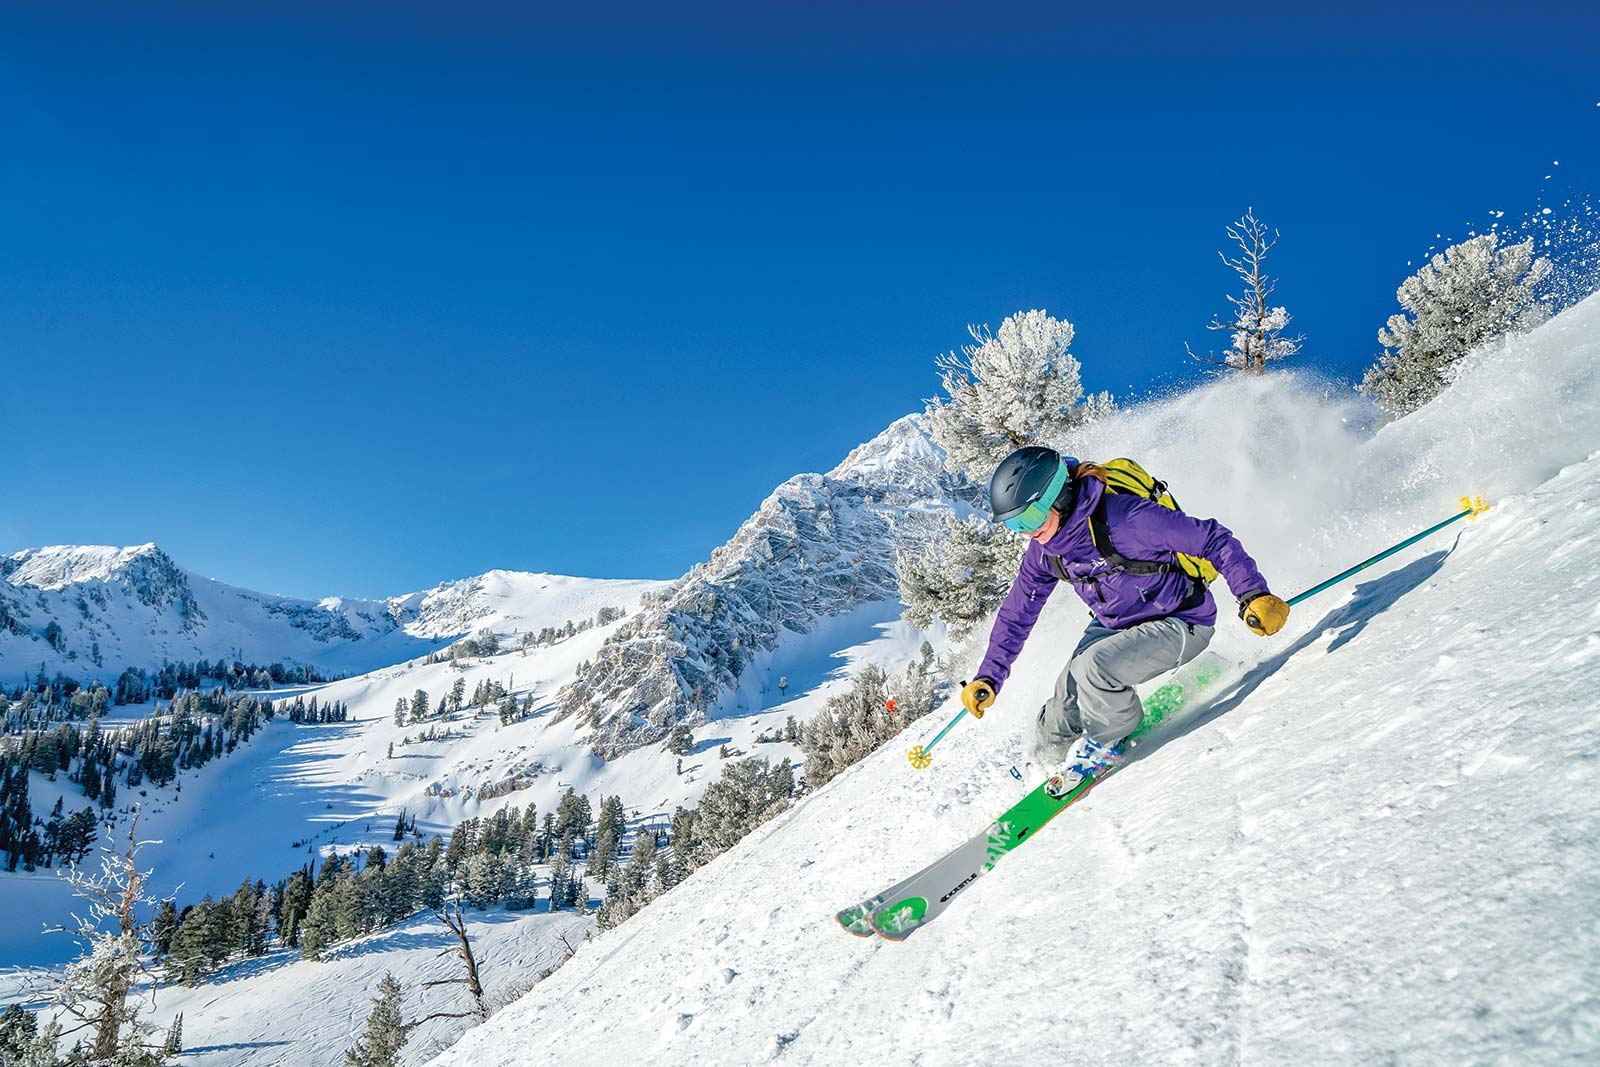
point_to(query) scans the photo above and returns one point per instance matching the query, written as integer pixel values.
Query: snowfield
(1376, 843)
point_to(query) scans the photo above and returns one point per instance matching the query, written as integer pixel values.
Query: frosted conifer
(99, 992)
(960, 578)
(1018, 386)
(1466, 296)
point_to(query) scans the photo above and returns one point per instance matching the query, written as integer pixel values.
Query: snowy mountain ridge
(114, 608)
(820, 546)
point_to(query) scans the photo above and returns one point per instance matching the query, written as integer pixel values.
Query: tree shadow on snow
(1349, 619)
(239, 1045)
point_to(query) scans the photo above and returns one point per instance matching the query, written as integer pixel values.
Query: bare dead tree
(450, 915)
(95, 989)
(572, 950)
(1256, 328)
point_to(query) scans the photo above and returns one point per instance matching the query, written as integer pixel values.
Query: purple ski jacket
(1140, 529)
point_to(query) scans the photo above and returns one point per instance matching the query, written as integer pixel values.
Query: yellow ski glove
(1263, 613)
(977, 695)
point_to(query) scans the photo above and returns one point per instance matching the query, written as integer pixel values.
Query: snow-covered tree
(98, 992)
(680, 740)
(1018, 386)
(633, 886)
(1255, 327)
(854, 723)
(961, 578)
(23, 1043)
(562, 892)
(1466, 296)
(386, 1034)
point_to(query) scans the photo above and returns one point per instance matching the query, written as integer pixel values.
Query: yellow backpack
(1126, 476)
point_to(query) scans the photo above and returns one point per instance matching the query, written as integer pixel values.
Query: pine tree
(680, 740)
(386, 1033)
(484, 881)
(1465, 297)
(351, 916)
(164, 926)
(561, 894)
(174, 1042)
(293, 903)
(612, 825)
(259, 932)
(23, 1043)
(317, 929)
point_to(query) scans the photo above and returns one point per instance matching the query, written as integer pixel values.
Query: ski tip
(898, 921)
(858, 926)
(857, 919)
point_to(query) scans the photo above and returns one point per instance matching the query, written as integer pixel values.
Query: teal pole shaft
(927, 748)
(1385, 554)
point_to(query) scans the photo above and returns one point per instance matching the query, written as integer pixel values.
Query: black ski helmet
(1022, 478)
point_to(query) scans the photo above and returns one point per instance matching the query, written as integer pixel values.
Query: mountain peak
(903, 450)
(58, 566)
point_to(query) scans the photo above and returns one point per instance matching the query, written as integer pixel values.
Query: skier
(1149, 615)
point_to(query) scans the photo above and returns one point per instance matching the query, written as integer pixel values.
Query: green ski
(916, 901)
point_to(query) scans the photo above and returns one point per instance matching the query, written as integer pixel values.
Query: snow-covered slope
(135, 607)
(295, 792)
(821, 546)
(1376, 842)
(283, 1011)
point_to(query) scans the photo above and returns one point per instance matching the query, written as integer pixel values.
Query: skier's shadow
(1371, 599)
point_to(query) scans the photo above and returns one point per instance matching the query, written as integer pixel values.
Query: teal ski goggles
(1034, 515)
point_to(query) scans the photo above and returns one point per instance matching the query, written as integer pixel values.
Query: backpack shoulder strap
(1100, 530)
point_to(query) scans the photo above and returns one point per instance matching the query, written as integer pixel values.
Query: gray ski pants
(1095, 694)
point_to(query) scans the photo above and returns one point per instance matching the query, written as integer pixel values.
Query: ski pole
(1471, 507)
(919, 755)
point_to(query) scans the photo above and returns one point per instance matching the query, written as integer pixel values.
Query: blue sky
(357, 303)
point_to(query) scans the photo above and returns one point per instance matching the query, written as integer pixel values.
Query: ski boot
(1088, 759)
